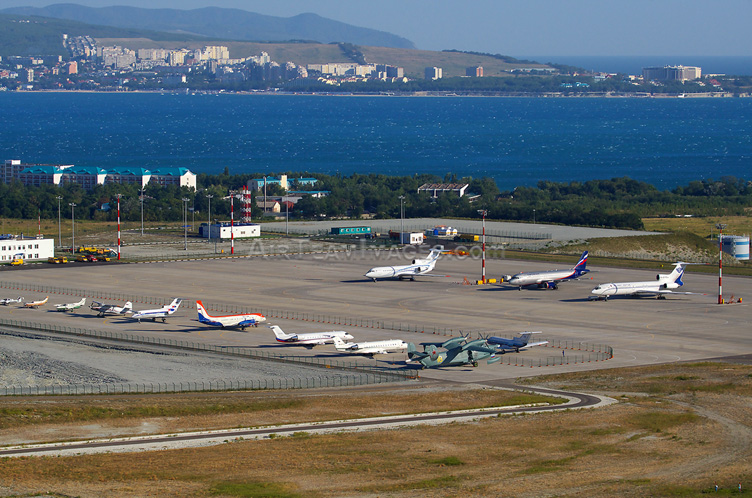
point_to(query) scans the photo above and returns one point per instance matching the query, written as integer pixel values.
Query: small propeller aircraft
(9, 300)
(456, 351)
(36, 304)
(70, 306)
(111, 309)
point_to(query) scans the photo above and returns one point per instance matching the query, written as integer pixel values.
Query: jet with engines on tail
(309, 340)
(161, 313)
(418, 267)
(515, 344)
(224, 321)
(369, 348)
(659, 288)
(9, 300)
(548, 279)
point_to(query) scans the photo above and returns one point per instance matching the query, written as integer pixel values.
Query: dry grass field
(677, 430)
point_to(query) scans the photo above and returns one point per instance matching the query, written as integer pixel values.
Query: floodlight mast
(720, 227)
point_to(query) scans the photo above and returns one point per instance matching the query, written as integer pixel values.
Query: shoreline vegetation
(615, 203)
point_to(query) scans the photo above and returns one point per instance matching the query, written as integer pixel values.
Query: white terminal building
(226, 231)
(27, 248)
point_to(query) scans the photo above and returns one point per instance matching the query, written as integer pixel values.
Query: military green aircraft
(456, 351)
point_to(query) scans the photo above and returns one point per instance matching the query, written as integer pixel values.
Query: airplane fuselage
(542, 277)
(633, 288)
(372, 347)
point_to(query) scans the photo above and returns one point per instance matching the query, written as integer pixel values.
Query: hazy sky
(519, 27)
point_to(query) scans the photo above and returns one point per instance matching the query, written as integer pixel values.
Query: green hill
(42, 36)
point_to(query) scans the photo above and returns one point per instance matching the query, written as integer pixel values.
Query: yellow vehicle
(17, 260)
(467, 237)
(57, 260)
(87, 250)
(86, 258)
(103, 257)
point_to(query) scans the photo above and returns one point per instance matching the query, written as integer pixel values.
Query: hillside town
(93, 66)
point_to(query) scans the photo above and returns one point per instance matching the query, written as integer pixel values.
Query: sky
(518, 27)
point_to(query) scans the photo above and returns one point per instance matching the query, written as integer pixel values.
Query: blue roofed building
(182, 177)
(86, 176)
(41, 175)
(129, 176)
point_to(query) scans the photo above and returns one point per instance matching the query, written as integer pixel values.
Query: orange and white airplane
(224, 321)
(36, 304)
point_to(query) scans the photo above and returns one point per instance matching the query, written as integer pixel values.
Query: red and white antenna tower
(245, 210)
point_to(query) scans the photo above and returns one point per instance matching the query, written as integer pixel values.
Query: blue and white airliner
(548, 279)
(659, 287)
(161, 313)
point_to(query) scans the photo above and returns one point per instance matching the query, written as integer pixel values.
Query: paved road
(183, 440)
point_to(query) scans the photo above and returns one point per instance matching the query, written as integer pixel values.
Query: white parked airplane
(418, 267)
(111, 309)
(548, 279)
(370, 348)
(71, 306)
(36, 304)
(311, 339)
(9, 300)
(223, 321)
(659, 287)
(515, 344)
(162, 312)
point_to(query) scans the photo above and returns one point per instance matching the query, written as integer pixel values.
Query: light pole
(232, 222)
(185, 221)
(533, 216)
(402, 218)
(141, 197)
(209, 196)
(483, 213)
(59, 229)
(118, 203)
(287, 216)
(73, 227)
(720, 227)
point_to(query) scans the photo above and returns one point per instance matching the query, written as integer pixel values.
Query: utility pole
(209, 196)
(232, 223)
(73, 227)
(185, 221)
(118, 213)
(59, 229)
(402, 218)
(720, 227)
(484, 213)
(141, 197)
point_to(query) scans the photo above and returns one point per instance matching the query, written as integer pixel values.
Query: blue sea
(516, 141)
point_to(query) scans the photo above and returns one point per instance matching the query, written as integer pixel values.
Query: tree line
(618, 202)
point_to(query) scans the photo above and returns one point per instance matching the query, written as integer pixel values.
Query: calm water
(666, 142)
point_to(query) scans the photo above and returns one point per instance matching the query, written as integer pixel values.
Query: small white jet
(223, 321)
(9, 300)
(370, 348)
(36, 304)
(70, 306)
(162, 312)
(111, 309)
(548, 279)
(659, 287)
(311, 339)
(418, 267)
(515, 344)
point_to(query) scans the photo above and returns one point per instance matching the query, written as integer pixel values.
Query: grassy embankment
(676, 431)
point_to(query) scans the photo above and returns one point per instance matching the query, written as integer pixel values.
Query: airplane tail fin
(676, 275)
(279, 333)
(338, 342)
(128, 306)
(201, 311)
(174, 305)
(582, 263)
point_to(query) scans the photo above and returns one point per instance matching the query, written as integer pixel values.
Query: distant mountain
(215, 22)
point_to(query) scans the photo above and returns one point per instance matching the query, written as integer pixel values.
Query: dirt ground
(677, 430)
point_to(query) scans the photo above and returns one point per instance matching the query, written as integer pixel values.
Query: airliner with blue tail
(548, 279)
(224, 321)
